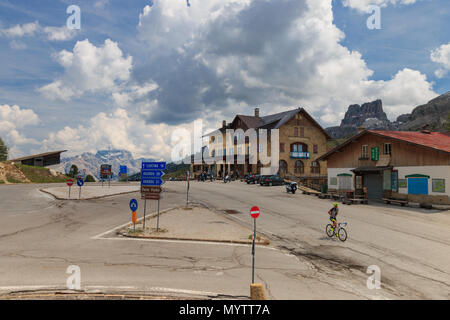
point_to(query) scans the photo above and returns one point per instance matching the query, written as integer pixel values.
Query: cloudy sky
(138, 70)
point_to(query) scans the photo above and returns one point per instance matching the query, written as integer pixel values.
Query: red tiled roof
(435, 140)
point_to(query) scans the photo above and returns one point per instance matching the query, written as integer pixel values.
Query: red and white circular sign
(70, 182)
(254, 212)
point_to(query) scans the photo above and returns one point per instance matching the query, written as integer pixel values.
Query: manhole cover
(231, 211)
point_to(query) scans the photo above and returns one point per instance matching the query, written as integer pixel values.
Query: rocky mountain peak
(92, 161)
(371, 116)
(357, 114)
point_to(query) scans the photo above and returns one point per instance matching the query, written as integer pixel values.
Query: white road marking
(99, 236)
(86, 289)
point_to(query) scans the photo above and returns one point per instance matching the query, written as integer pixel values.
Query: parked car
(271, 181)
(253, 178)
(172, 179)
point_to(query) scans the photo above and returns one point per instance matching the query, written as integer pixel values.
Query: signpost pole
(79, 194)
(187, 191)
(254, 212)
(69, 191)
(145, 207)
(157, 219)
(253, 251)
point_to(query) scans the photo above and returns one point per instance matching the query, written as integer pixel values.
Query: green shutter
(375, 153)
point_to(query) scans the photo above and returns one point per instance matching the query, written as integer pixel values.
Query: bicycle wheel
(330, 231)
(342, 234)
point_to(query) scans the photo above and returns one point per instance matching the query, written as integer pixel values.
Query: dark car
(253, 178)
(271, 181)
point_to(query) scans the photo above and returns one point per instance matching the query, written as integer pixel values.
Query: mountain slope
(91, 162)
(434, 113)
(371, 116)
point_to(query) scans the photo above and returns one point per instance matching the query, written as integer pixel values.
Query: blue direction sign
(123, 170)
(133, 205)
(153, 166)
(80, 182)
(151, 174)
(152, 182)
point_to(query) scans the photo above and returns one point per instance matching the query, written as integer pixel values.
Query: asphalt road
(40, 237)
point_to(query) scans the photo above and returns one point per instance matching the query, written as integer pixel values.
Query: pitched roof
(435, 140)
(38, 155)
(432, 140)
(273, 121)
(251, 121)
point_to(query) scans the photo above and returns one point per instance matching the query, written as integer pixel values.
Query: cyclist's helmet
(335, 204)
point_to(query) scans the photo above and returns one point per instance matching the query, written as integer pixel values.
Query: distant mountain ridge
(434, 113)
(91, 162)
(371, 116)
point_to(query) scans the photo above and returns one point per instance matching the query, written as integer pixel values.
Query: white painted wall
(333, 172)
(435, 172)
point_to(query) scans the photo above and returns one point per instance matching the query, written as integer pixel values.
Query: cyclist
(333, 213)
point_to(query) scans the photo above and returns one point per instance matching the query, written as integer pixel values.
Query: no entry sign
(70, 182)
(254, 212)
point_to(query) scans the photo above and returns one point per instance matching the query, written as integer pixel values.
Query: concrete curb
(92, 198)
(194, 239)
(249, 242)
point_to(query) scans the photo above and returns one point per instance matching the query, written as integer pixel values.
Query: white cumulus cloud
(120, 130)
(28, 29)
(282, 54)
(89, 69)
(34, 29)
(362, 5)
(12, 120)
(59, 33)
(441, 55)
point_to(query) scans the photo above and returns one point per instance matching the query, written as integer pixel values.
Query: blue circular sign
(133, 205)
(80, 182)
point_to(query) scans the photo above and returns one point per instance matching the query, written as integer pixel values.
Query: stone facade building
(301, 141)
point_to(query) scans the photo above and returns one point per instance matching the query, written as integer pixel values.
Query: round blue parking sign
(80, 182)
(133, 205)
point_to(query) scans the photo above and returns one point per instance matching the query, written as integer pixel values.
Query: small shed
(42, 159)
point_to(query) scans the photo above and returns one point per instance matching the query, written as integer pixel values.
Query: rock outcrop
(371, 116)
(434, 114)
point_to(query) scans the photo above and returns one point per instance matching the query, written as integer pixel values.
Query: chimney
(224, 123)
(425, 129)
(257, 112)
(361, 129)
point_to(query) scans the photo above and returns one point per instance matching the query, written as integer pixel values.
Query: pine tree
(90, 178)
(73, 171)
(3, 151)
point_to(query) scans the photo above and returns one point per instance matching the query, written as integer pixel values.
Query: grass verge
(39, 174)
(11, 179)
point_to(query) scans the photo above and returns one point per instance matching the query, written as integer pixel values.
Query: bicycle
(342, 233)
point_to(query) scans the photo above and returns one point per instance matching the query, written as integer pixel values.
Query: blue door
(417, 185)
